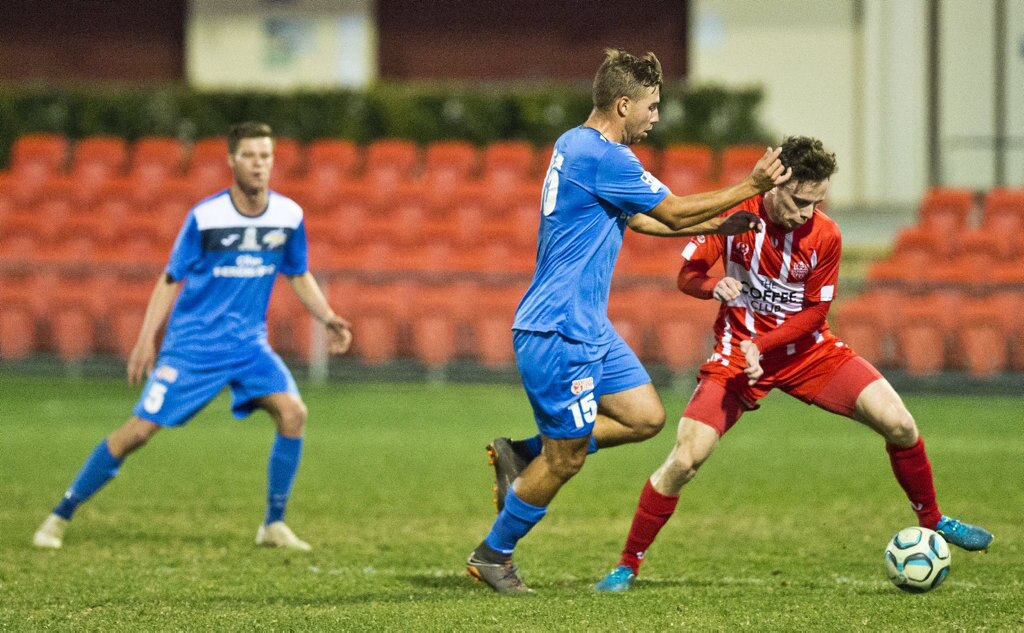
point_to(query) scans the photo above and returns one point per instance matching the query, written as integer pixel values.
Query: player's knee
(900, 428)
(685, 464)
(292, 418)
(566, 466)
(651, 422)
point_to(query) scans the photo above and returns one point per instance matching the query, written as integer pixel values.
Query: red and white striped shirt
(782, 272)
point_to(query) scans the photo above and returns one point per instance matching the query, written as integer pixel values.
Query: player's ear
(622, 106)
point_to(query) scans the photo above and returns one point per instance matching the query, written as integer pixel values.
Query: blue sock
(97, 470)
(284, 462)
(513, 522)
(535, 444)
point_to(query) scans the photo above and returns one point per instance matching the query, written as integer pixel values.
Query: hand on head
(769, 170)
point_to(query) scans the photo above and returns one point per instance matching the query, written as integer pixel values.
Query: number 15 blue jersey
(592, 187)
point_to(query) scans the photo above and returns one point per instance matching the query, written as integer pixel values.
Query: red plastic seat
(329, 161)
(97, 158)
(208, 168)
(982, 344)
(155, 159)
(289, 160)
(492, 324)
(289, 324)
(78, 318)
(508, 163)
(737, 161)
(866, 323)
(687, 169)
(945, 210)
(17, 318)
(648, 156)
(924, 331)
(38, 156)
(389, 162)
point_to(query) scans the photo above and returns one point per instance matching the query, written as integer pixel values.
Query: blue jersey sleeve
(296, 256)
(188, 249)
(622, 181)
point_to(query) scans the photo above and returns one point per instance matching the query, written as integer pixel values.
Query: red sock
(653, 511)
(914, 473)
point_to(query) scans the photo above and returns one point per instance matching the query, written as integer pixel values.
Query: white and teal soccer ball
(917, 559)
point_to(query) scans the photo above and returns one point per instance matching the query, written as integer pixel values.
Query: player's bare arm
(339, 332)
(732, 225)
(679, 212)
(143, 355)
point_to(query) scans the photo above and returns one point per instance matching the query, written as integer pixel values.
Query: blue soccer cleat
(964, 535)
(618, 580)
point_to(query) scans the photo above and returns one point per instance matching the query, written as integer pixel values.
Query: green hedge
(710, 114)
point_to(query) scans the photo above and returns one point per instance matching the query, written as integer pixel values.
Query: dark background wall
(75, 40)
(524, 39)
(133, 40)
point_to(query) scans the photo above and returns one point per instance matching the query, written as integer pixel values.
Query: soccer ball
(917, 559)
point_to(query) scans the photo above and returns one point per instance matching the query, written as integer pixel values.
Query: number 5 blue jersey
(229, 262)
(592, 187)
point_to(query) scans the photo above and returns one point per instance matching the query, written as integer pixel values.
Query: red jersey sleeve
(699, 255)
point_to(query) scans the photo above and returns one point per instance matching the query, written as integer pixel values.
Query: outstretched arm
(339, 334)
(734, 224)
(680, 212)
(143, 355)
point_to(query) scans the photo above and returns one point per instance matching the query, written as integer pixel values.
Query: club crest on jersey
(799, 271)
(742, 252)
(166, 373)
(274, 239)
(581, 385)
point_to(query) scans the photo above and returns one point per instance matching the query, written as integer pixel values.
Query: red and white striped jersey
(779, 271)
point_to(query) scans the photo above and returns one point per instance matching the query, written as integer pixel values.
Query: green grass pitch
(783, 529)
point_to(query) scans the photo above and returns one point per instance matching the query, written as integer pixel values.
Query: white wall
(861, 85)
(253, 44)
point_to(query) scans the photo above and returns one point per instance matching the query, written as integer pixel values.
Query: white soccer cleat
(50, 534)
(277, 534)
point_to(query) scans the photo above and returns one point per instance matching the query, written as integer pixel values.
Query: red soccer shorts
(829, 375)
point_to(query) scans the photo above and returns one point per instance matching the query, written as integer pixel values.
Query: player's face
(252, 162)
(792, 204)
(643, 114)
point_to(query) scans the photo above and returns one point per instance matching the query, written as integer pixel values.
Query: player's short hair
(808, 159)
(624, 75)
(246, 129)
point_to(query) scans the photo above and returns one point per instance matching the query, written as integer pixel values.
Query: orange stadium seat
(866, 323)
(377, 313)
(981, 338)
(97, 158)
(130, 296)
(737, 161)
(437, 324)
(330, 161)
(507, 163)
(686, 169)
(80, 314)
(448, 162)
(390, 161)
(208, 168)
(945, 210)
(289, 159)
(924, 331)
(648, 156)
(289, 324)
(1011, 304)
(1003, 213)
(17, 317)
(683, 333)
(155, 159)
(38, 156)
(492, 324)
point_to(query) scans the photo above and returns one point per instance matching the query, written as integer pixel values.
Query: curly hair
(624, 75)
(808, 159)
(247, 129)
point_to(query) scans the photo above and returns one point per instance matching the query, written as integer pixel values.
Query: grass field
(783, 529)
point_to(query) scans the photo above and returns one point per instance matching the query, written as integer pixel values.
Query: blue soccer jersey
(228, 262)
(592, 187)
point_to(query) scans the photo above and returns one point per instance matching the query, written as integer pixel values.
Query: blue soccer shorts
(181, 385)
(564, 379)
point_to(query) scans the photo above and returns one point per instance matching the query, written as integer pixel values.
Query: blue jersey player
(225, 260)
(586, 386)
